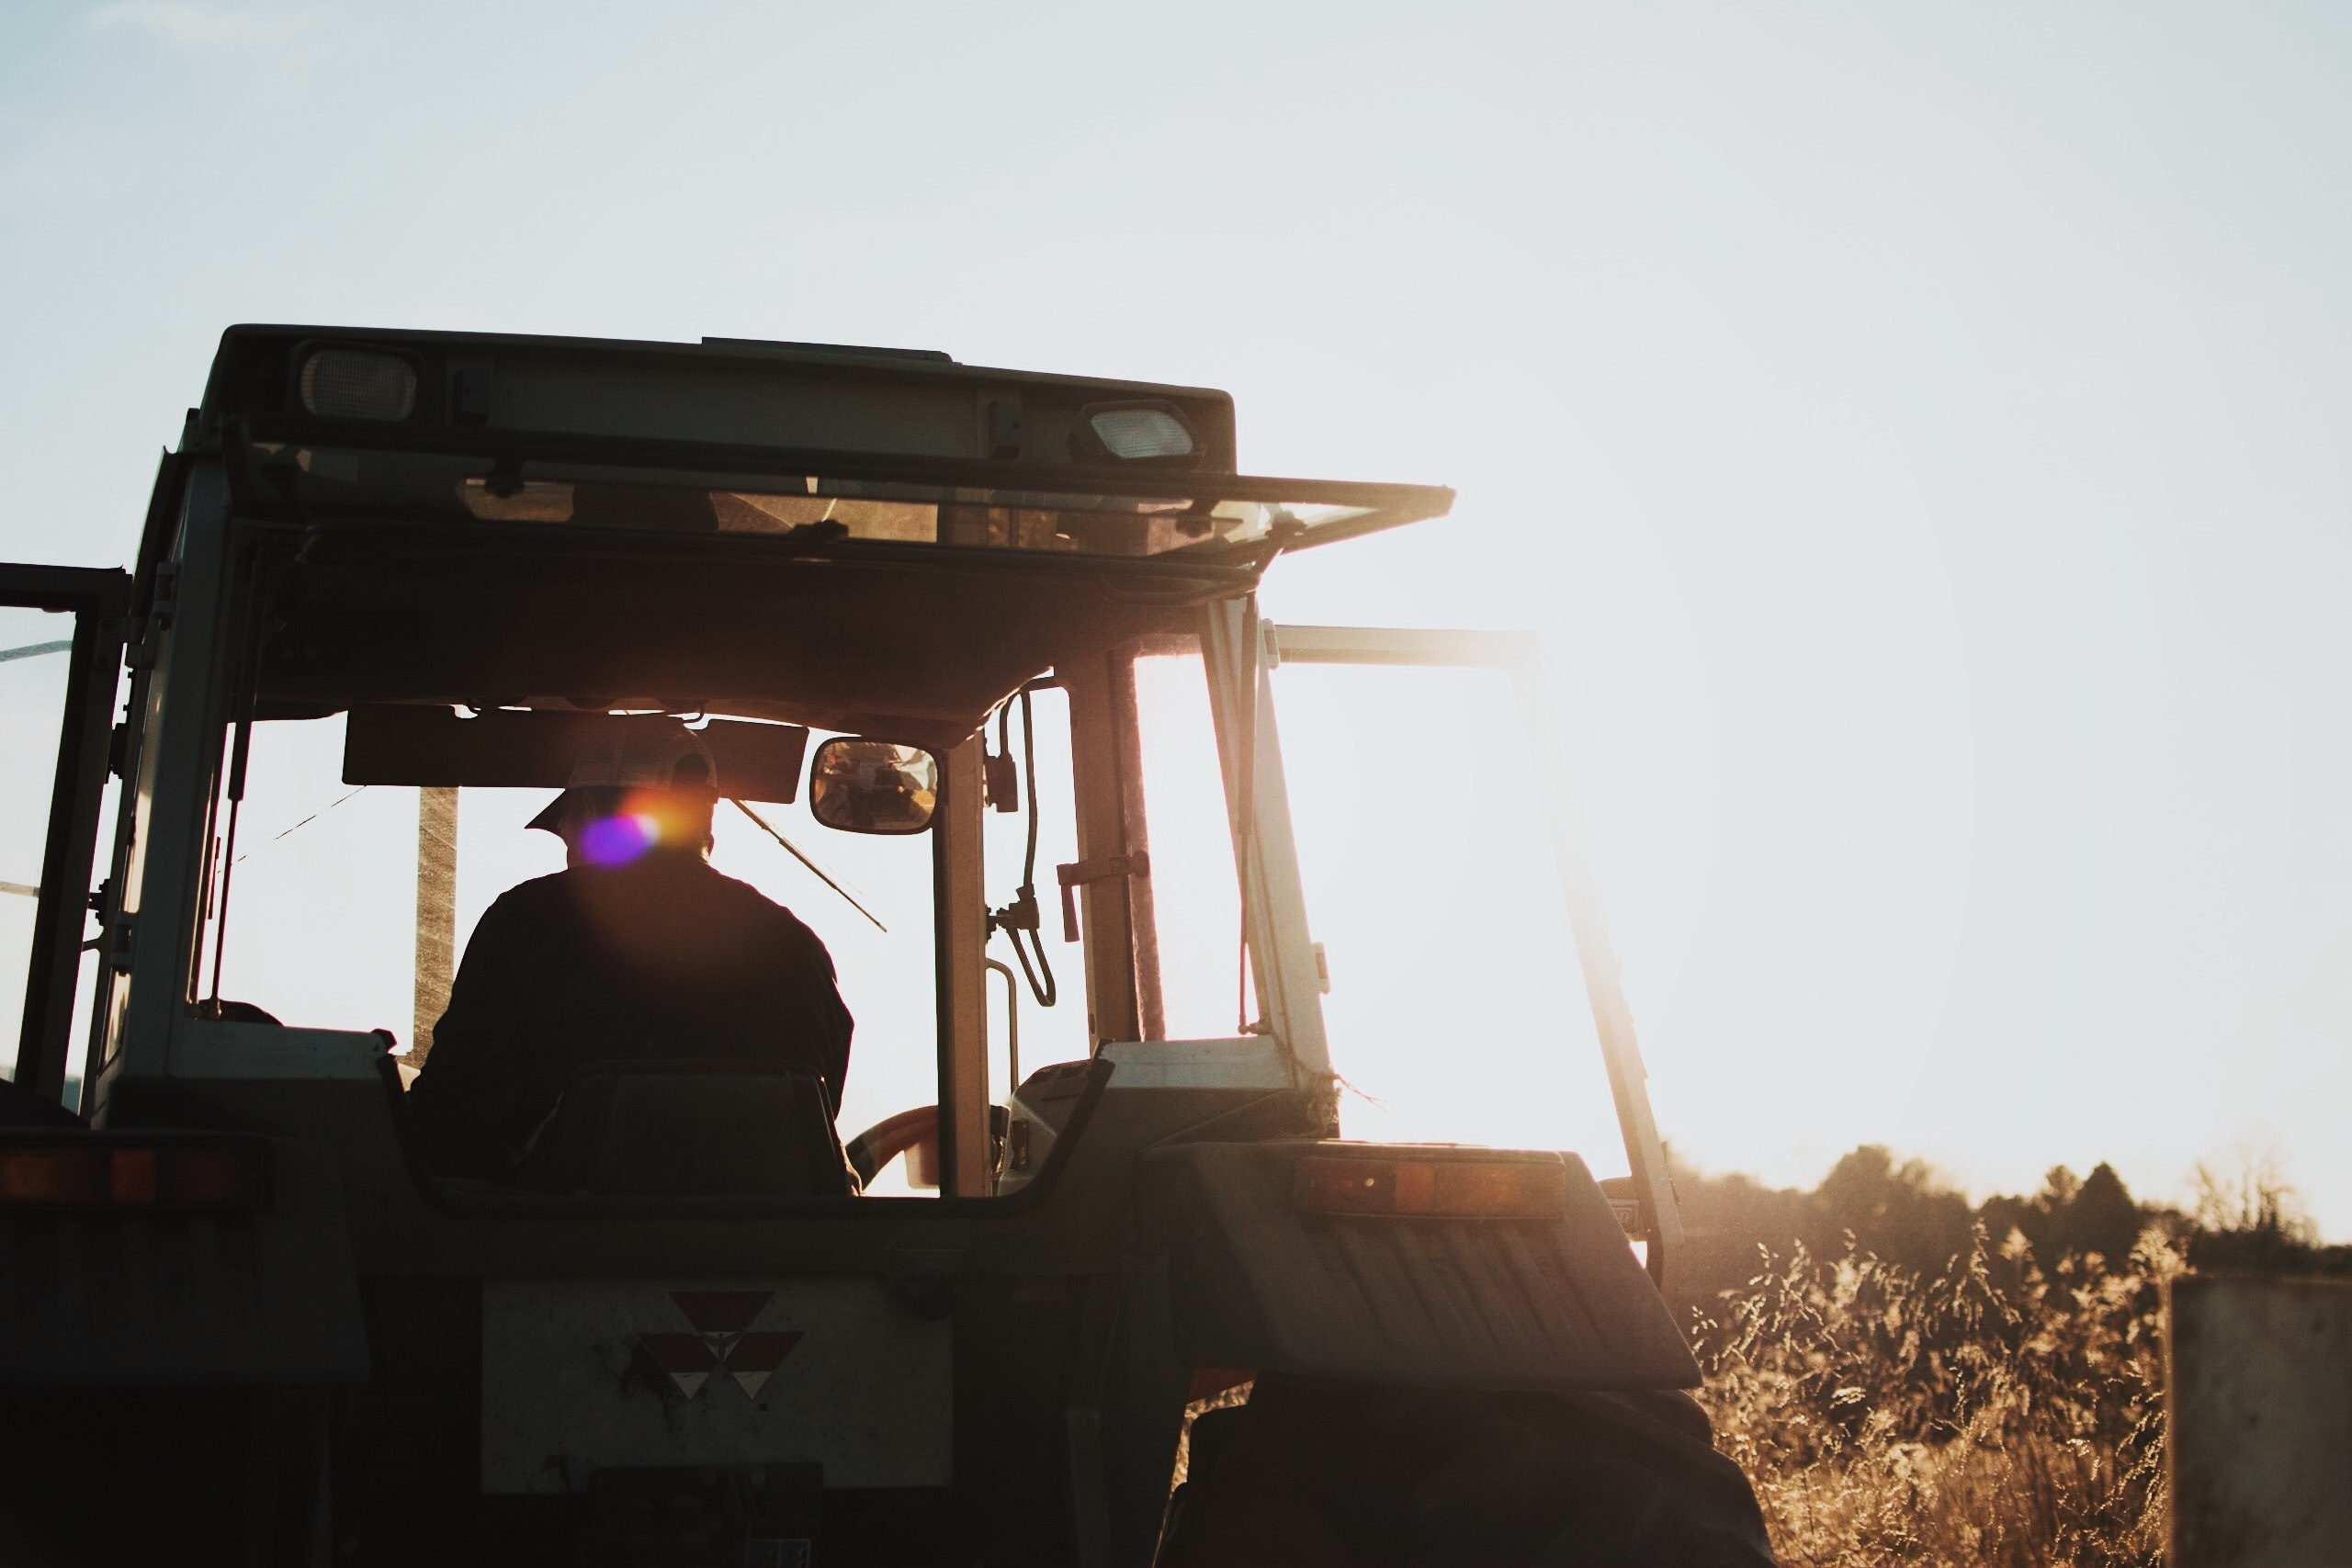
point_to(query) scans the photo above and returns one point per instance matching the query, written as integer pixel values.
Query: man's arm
(834, 1026)
(824, 1018)
(464, 1101)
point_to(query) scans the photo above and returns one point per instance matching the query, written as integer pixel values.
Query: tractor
(1141, 1304)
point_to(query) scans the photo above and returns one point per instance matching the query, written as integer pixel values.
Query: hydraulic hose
(1021, 915)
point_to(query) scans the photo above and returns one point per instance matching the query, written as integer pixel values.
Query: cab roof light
(1443, 1189)
(131, 1176)
(358, 383)
(1142, 432)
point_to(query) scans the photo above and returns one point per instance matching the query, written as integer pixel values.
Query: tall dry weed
(2000, 1413)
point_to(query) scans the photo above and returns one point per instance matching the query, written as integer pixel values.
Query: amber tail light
(1460, 1189)
(65, 1175)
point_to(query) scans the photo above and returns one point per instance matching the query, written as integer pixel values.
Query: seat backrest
(692, 1129)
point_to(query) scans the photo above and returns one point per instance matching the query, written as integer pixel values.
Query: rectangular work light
(358, 383)
(1146, 432)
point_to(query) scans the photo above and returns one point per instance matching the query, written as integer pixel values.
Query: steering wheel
(914, 1133)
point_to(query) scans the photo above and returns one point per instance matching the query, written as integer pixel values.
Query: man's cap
(637, 754)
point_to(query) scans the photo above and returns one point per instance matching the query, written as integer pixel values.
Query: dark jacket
(665, 957)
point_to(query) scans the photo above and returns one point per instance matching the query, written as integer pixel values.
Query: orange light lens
(103, 1176)
(53, 1178)
(1456, 1189)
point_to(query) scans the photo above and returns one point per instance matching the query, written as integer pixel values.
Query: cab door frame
(99, 600)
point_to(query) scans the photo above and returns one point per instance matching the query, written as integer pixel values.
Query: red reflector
(131, 1176)
(226, 1176)
(1456, 1189)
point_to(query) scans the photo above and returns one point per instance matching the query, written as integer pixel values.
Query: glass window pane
(1457, 1012)
(34, 659)
(321, 889)
(85, 981)
(1195, 903)
(323, 905)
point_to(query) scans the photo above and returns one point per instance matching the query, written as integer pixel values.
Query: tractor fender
(1265, 1276)
(123, 1297)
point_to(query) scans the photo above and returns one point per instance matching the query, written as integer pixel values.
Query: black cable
(1021, 915)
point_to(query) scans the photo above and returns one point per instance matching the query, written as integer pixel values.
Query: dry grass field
(1908, 1379)
(1998, 1413)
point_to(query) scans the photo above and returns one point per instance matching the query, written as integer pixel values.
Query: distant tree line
(1902, 1211)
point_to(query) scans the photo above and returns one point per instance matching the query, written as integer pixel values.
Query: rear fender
(1258, 1280)
(111, 1297)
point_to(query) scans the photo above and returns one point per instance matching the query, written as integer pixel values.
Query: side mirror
(873, 787)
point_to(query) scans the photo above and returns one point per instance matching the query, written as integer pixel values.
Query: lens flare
(617, 840)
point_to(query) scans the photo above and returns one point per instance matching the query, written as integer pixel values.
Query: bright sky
(1919, 431)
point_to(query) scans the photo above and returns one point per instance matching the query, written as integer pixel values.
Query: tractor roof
(874, 539)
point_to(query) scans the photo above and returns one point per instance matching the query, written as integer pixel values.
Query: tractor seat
(691, 1128)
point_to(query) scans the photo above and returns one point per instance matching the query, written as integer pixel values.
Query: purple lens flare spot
(617, 840)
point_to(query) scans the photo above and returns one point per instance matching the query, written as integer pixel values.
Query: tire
(1313, 1474)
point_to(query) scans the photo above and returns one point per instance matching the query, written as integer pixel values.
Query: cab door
(62, 632)
(1393, 801)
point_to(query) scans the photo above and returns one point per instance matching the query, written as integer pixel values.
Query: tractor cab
(976, 661)
(433, 563)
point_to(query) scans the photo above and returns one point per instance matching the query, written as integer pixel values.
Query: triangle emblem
(753, 1356)
(723, 1340)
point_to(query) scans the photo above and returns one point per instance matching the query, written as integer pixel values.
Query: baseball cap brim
(549, 821)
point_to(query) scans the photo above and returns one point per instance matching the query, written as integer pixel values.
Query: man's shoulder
(754, 905)
(555, 884)
(737, 891)
(527, 899)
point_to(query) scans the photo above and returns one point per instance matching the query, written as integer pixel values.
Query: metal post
(962, 941)
(1613, 1018)
(436, 913)
(98, 599)
(1097, 755)
(2258, 1420)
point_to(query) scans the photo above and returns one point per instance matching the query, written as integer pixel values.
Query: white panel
(572, 1382)
(202, 1049)
(1249, 1062)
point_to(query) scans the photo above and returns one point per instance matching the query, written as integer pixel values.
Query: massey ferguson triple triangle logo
(721, 1341)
